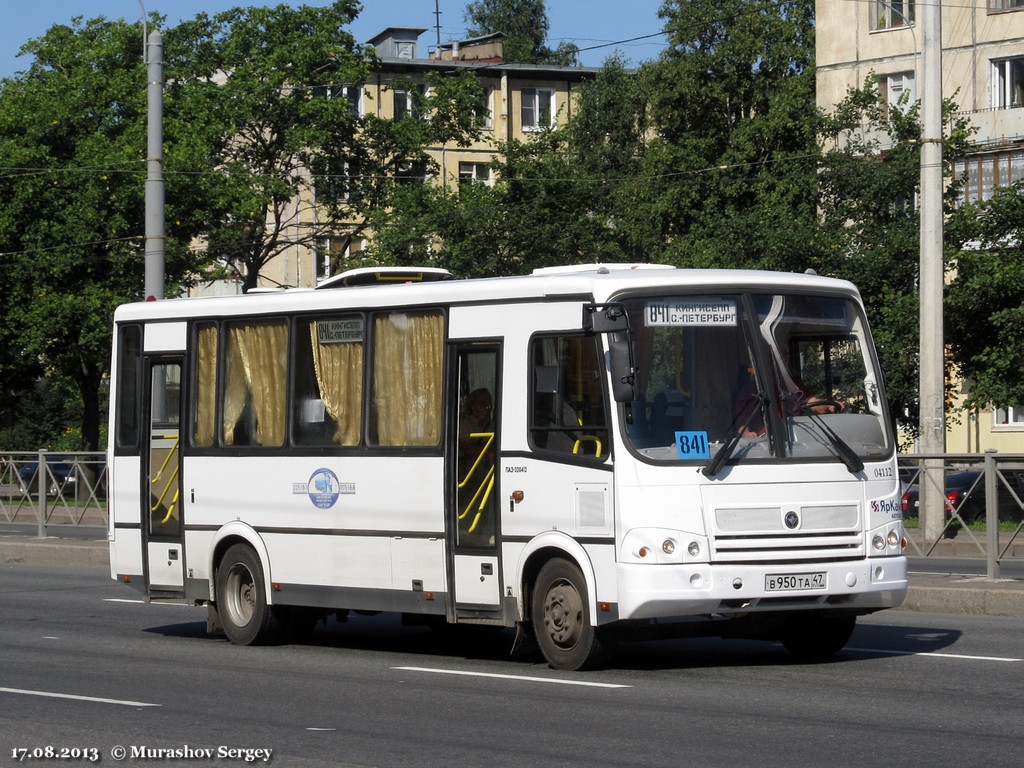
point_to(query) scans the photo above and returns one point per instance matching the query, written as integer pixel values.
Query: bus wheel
(813, 638)
(242, 599)
(561, 619)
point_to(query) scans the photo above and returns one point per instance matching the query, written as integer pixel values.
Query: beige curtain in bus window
(407, 378)
(236, 388)
(262, 349)
(205, 423)
(339, 376)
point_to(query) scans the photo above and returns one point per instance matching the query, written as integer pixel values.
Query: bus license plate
(783, 582)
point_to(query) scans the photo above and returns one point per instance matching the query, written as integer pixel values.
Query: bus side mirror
(613, 320)
(620, 361)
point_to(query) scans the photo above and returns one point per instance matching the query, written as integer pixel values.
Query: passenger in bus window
(476, 419)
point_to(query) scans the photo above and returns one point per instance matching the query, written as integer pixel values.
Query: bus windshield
(764, 376)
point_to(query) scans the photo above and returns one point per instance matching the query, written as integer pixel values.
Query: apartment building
(519, 99)
(983, 73)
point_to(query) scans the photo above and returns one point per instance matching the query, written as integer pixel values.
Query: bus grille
(761, 535)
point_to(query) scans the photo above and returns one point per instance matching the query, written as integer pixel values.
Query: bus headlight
(878, 542)
(693, 548)
(894, 538)
(668, 546)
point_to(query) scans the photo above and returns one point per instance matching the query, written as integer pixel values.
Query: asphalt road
(86, 665)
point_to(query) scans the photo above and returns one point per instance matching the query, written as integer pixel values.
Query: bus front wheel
(561, 619)
(242, 599)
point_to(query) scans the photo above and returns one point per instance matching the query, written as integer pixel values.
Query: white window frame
(1008, 83)
(1010, 417)
(407, 99)
(891, 14)
(485, 109)
(533, 102)
(474, 173)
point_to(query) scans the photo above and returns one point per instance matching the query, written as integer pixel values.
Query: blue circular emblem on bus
(323, 488)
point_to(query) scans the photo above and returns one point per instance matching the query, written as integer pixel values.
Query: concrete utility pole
(932, 369)
(154, 282)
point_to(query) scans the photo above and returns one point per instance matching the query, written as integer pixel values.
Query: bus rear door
(162, 480)
(473, 530)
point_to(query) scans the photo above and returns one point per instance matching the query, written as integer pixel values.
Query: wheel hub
(563, 614)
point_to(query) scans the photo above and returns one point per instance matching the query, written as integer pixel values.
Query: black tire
(242, 599)
(561, 619)
(815, 638)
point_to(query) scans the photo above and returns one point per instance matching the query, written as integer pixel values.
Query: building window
(891, 14)
(537, 108)
(983, 174)
(409, 103)
(1008, 83)
(897, 91)
(482, 112)
(1010, 416)
(1005, 5)
(470, 172)
(351, 93)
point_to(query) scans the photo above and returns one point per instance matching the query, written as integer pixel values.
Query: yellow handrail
(177, 491)
(483, 491)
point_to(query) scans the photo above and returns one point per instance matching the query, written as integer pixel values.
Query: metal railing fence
(976, 508)
(53, 488)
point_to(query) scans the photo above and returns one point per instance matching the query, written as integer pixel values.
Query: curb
(54, 551)
(967, 596)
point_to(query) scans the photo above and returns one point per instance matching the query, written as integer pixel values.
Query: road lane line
(964, 656)
(522, 678)
(143, 602)
(48, 694)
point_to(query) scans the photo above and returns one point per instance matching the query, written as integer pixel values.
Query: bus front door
(162, 515)
(474, 568)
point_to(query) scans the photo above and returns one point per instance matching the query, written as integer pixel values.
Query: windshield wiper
(723, 453)
(845, 453)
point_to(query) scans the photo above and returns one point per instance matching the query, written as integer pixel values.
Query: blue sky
(588, 23)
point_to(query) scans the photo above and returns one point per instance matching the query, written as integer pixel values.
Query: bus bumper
(648, 591)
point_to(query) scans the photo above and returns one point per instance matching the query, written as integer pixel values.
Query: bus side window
(253, 405)
(328, 397)
(568, 406)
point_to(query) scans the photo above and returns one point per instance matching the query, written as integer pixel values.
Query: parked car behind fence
(965, 495)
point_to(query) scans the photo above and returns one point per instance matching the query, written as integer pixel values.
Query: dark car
(965, 494)
(61, 475)
(67, 475)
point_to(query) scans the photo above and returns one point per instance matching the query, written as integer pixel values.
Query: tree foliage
(732, 100)
(265, 92)
(868, 184)
(72, 146)
(985, 299)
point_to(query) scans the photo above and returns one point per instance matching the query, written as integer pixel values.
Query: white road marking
(143, 602)
(95, 699)
(963, 656)
(521, 678)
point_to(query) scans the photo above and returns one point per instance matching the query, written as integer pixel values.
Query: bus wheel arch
(557, 589)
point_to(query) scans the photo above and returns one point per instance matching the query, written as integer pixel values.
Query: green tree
(267, 93)
(868, 183)
(985, 299)
(525, 25)
(72, 146)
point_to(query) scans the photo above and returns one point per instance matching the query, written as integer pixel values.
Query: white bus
(584, 453)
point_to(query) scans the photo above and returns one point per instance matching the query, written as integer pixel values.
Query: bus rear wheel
(814, 638)
(561, 619)
(246, 617)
